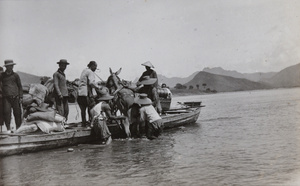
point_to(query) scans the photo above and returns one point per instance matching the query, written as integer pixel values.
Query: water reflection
(239, 139)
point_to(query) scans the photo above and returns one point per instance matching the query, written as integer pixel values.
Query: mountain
(222, 83)
(286, 78)
(171, 82)
(220, 80)
(28, 78)
(256, 77)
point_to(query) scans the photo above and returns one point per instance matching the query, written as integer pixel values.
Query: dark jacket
(150, 73)
(60, 83)
(11, 85)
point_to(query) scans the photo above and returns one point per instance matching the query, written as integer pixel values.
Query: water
(241, 138)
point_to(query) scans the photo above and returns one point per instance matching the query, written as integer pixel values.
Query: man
(1, 101)
(61, 89)
(85, 91)
(151, 91)
(149, 72)
(148, 115)
(12, 95)
(101, 112)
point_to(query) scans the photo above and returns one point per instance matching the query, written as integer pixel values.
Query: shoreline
(185, 92)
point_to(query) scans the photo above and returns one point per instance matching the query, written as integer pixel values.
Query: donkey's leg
(125, 123)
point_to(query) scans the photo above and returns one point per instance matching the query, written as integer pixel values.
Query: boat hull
(20, 143)
(16, 144)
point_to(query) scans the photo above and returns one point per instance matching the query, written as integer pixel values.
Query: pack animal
(124, 97)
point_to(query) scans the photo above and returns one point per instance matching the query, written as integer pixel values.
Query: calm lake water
(241, 138)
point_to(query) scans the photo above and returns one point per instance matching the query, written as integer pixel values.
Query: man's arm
(56, 87)
(107, 110)
(92, 80)
(19, 84)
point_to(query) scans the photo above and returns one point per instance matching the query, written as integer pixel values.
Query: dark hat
(143, 100)
(148, 64)
(91, 63)
(103, 94)
(9, 62)
(63, 61)
(146, 80)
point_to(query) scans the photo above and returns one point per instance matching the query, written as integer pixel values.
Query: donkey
(124, 96)
(124, 92)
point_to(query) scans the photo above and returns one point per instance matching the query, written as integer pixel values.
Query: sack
(27, 129)
(59, 119)
(48, 127)
(47, 116)
(39, 92)
(27, 100)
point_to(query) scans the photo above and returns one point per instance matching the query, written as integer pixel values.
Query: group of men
(11, 94)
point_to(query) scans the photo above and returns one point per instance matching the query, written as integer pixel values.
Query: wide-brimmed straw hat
(103, 94)
(148, 64)
(143, 100)
(9, 62)
(146, 80)
(63, 61)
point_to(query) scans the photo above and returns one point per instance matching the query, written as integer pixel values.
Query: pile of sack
(41, 117)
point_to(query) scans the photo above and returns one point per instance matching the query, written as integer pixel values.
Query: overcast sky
(179, 37)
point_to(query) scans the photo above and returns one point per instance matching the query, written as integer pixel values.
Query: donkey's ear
(111, 72)
(119, 71)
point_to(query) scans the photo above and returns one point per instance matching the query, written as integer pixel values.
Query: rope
(98, 77)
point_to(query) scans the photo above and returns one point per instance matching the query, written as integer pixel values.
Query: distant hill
(256, 77)
(171, 82)
(222, 83)
(220, 80)
(286, 78)
(28, 78)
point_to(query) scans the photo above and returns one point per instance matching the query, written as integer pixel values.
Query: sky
(179, 37)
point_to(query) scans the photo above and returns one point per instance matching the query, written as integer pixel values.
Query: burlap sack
(46, 116)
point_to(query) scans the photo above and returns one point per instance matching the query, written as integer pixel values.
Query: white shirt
(87, 79)
(148, 113)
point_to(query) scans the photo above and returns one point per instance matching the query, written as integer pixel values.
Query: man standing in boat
(85, 98)
(149, 72)
(61, 89)
(1, 100)
(12, 95)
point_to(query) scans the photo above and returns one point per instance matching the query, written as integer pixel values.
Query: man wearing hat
(61, 89)
(85, 91)
(148, 114)
(1, 101)
(12, 95)
(103, 109)
(151, 91)
(149, 72)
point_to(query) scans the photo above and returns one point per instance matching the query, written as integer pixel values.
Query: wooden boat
(21, 143)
